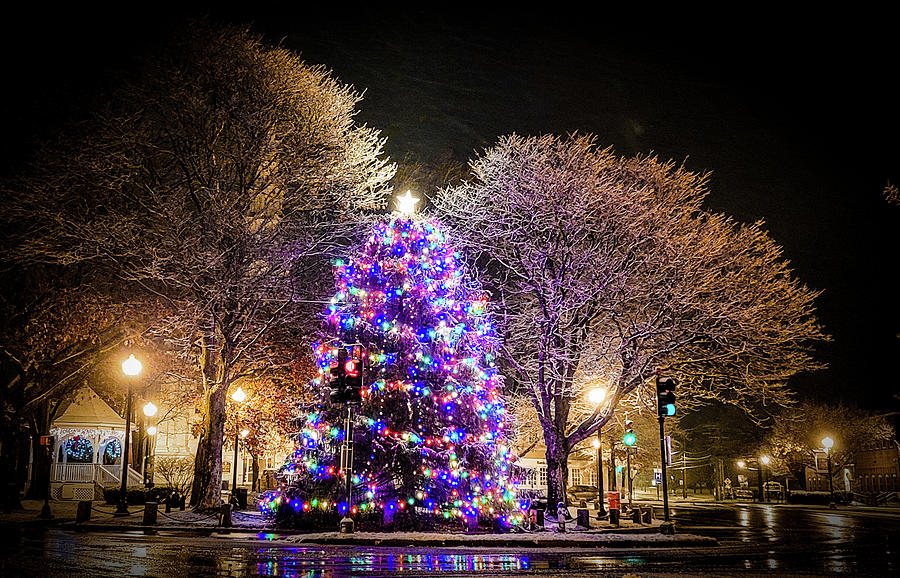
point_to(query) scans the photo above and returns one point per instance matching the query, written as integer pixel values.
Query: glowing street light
(150, 409)
(131, 366)
(597, 396)
(151, 430)
(238, 395)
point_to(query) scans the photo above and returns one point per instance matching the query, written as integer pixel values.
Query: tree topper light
(406, 204)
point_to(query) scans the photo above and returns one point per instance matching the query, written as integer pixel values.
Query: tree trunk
(209, 459)
(255, 484)
(9, 455)
(557, 470)
(41, 459)
(199, 479)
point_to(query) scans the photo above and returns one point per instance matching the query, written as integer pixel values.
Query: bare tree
(607, 269)
(216, 180)
(177, 471)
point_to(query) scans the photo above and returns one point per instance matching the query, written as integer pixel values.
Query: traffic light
(629, 439)
(665, 396)
(346, 371)
(353, 375)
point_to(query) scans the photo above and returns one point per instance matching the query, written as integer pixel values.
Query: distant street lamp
(149, 464)
(597, 396)
(763, 461)
(828, 443)
(131, 367)
(240, 397)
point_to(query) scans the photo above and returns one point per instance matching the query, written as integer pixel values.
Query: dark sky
(793, 114)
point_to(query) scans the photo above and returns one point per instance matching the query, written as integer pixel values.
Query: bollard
(637, 515)
(168, 505)
(561, 512)
(225, 516)
(84, 511)
(471, 523)
(150, 509)
(647, 516)
(346, 525)
(583, 518)
(539, 519)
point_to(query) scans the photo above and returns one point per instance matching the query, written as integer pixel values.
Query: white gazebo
(88, 448)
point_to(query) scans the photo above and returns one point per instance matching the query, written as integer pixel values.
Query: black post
(830, 482)
(234, 465)
(46, 513)
(601, 509)
(346, 525)
(665, 476)
(762, 497)
(612, 461)
(122, 508)
(630, 486)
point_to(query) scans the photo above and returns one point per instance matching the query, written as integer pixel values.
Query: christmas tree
(429, 432)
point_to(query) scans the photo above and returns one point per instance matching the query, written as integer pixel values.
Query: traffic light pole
(665, 476)
(347, 459)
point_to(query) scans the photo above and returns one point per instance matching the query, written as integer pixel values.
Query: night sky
(793, 116)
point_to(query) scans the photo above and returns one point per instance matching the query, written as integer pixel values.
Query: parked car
(774, 490)
(743, 494)
(578, 494)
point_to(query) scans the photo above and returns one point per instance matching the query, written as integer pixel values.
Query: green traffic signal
(629, 439)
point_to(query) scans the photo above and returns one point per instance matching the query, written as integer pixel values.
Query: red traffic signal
(351, 368)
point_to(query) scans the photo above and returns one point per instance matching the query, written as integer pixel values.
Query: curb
(601, 539)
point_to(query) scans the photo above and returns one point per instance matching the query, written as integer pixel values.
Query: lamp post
(150, 410)
(828, 443)
(597, 397)
(130, 367)
(240, 397)
(763, 462)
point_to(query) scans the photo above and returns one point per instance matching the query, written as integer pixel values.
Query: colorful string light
(430, 432)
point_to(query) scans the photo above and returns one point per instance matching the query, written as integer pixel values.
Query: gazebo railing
(103, 475)
(74, 472)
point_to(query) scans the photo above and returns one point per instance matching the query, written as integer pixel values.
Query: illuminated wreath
(113, 449)
(79, 449)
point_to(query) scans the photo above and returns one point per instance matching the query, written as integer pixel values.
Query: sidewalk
(600, 534)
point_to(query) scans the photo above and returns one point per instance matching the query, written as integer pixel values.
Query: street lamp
(828, 443)
(149, 410)
(240, 397)
(130, 367)
(763, 461)
(597, 396)
(148, 458)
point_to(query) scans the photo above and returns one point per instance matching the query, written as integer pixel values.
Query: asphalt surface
(753, 540)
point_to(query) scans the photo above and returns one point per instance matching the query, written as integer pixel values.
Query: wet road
(754, 539)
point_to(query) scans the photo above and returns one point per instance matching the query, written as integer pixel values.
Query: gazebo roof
(88, 410)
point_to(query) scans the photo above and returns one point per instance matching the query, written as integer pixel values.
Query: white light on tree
(406, 204)
(238, 395)
(596, 444)
(741, 464)
(131, 366)
(764, 460)
(245, 433)
(150, 409)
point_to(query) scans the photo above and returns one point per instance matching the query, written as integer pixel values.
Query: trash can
(240, 495)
